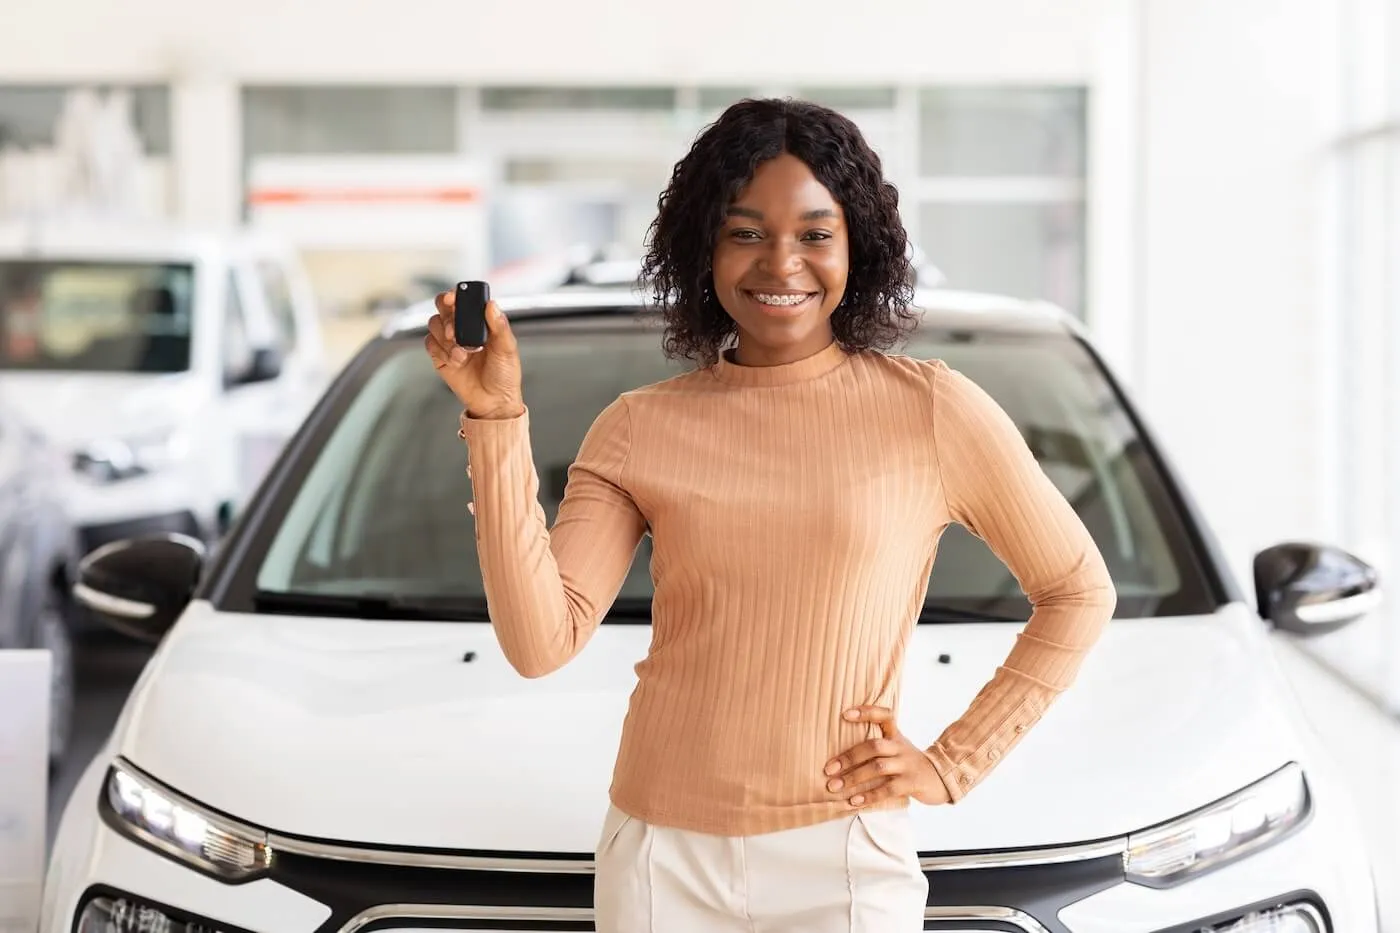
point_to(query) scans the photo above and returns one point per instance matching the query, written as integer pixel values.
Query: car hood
(421, 735)
(73, 409)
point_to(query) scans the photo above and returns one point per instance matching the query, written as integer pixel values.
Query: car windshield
(95, 316)
(373, 514)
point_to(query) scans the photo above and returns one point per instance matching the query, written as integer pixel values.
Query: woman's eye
(744, 235)
(818, 235)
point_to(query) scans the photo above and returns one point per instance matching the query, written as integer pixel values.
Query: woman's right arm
(546, 589)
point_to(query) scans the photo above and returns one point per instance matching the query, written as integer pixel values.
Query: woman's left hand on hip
(884, 767)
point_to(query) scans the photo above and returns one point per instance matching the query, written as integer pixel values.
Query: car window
(236, 347)
(95, 316)
(278, 293)
(382, 506)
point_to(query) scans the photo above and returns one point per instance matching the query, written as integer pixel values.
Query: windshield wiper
(629, 610)
(936, 614)
(639, 610)
(369, 606)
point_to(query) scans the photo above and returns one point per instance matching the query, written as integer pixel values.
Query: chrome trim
(112, 605)
(1003, 914)
(412, 912)
(1308, 910)
(448, 912)
(1338, 610)
(347, 852)
(401, 858)
(1051, 855)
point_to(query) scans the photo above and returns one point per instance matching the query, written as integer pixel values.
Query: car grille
(393, 891)
(411, 919)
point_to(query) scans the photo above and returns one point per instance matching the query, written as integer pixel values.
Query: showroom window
(325, 120)
(1000, 190)
(29, 115)
(992, 180)
(45, 128)
(578, 98)
(1361, 328)
(578, 165)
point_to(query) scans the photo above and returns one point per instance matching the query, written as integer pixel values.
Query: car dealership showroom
(608, 596)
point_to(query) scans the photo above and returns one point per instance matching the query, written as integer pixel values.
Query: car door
(13, 557)
(287, 296)
(252, 401)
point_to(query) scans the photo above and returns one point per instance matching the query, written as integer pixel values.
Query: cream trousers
(856, 874)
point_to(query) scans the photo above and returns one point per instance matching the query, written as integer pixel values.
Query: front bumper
(315, 889)
(176, 499)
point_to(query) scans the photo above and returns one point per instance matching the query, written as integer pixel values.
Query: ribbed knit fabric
(795, 512)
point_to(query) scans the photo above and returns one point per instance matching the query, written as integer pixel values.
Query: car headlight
(170, 824)
(112, 459)
(1247, 820)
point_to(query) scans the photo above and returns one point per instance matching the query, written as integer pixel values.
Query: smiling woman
(795, 488)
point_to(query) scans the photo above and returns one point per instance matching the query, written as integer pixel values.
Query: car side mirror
(267, 365)
(140, 586)
(264, 365)
(1312, 589)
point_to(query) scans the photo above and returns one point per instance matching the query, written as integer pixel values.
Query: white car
(328, 738)
(168, 365)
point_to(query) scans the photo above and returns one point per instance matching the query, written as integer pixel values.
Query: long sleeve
(996, 489)
(547, 589)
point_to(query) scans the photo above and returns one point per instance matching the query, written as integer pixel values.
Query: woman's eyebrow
(816, 214)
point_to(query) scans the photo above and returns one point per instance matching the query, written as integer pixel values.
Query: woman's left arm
(994, 487)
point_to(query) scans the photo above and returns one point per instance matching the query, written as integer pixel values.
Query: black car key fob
(469, 318)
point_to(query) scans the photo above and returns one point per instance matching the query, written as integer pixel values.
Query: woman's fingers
(447, 349)
(894, 787)
(440, 357)
(499, 336)
(446, 304)
(869, 772)
(437, 329)
(859, 754)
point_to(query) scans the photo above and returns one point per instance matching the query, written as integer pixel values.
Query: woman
(795, 484)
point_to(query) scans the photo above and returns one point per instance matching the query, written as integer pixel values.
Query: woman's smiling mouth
(780, 302)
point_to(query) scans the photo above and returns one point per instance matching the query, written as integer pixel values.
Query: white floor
(1367, 743)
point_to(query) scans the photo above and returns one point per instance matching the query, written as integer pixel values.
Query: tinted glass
(95, 317)
(381, 506)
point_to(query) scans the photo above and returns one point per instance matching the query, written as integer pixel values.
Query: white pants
(856, 874)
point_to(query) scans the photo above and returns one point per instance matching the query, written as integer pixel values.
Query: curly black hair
(874, 311)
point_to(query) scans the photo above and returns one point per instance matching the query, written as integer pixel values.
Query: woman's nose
(782, 258)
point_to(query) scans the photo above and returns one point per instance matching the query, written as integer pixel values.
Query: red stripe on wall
(363, 195)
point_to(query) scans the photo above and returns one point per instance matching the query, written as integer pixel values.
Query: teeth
(780, 299)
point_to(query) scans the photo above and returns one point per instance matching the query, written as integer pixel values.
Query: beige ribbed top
(795, 511)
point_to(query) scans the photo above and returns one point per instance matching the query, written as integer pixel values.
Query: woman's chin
(785, 338)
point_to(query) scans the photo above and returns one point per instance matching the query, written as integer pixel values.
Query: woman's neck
(751, 353)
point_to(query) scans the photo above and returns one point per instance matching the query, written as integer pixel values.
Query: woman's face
(780, 263)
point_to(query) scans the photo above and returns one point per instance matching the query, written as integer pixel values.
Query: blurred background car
(168, 365)
(39, 552)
